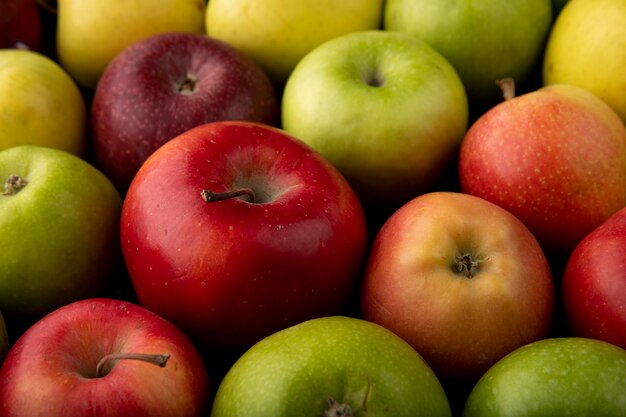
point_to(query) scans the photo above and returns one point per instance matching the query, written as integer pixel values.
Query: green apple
(565, 376)
(484, 40)
(278, 33)
(59, 229)
(587, 48)
(90, 33)
(385, 108)
(331, 366)
(4, 340)
(41, 105)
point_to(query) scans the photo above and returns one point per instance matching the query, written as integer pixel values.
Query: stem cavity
(13, 185)
(337, 409)
(188, 85)
(211, 196)
(467, 265)
(159, 360)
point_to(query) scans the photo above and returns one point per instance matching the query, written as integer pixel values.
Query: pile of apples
(312, 208)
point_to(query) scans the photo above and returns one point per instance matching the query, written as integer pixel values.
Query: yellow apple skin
(41, 104)
(91, 32)
(587, 48)
(278, 33)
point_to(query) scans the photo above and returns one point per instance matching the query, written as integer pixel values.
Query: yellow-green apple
(90, 33)
(235, 230)
(331, 366)
(484, 40)
(103, 357)
(278, 33)
(20, 24)
(4, 340)
(594, 283)
(59, 227)
(554, 157)
(386, 109)
(586, 48)
(461, 280)
(41, 105)
(565, 376)
(163, 85)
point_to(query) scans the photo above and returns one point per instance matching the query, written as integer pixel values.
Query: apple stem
(155, 359)
(507, 85)
(13, 185)
(466, 265)
(211, 196)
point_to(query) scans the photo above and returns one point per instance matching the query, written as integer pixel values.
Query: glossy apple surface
(461, 280)
(20, 24)
(554, 157)
(51, 369)
(484, 41)
(594, 283)
(386, 109)
(554, 377)
(230, 272)
(355, 366)
(59, 224)
(278, 33)
(41, 105)
(163, 85)
(572, 55)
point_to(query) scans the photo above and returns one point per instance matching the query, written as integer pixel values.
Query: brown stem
(155, 359)
(210, 196)
(13, 185)
(507, 85)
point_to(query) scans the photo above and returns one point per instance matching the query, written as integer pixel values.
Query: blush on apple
(161, 86)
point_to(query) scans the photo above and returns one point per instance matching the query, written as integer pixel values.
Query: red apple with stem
(235, 230)
(594, 283)
(103, 357)
(554, 157)
(163, 85)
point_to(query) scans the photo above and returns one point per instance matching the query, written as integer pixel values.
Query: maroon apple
(594, 283)
(161, 86)
(20, 24)
(554, 157)
(103, 357)
(235, 230)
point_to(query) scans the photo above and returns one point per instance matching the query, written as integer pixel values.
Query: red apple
(97, 357)
(461, 280)
(229, 269)
(594, 283)
(20, 24)
(161, 86)
(554, 157)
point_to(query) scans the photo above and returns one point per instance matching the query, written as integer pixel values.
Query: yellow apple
(91, 32)
(41, 105)
(278, 33)
(587, 48)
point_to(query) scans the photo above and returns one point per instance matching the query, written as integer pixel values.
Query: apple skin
(554, 157)
(293, 372)
(279, 33)
(20, 24)
(572, 55)
(50, 371)
(138, 103)
(64, 223)
(594, 283)
(484, 41)
(41, 105)
(566, 376)
(90, 33)
(232, 272)
(386, 109)
(461, 325)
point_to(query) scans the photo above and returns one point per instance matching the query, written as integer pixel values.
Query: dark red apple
(161, 86)
(20, 24)
(230, 269)
(594, 283)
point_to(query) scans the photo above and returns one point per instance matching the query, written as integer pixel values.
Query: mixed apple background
(312, 208)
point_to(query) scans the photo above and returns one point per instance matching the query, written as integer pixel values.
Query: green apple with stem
(331, 366)
(59, 230)
(278, 33)
(385, 108)
(90, 33)
(484, 40)
(41, 105)
(587, 48)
